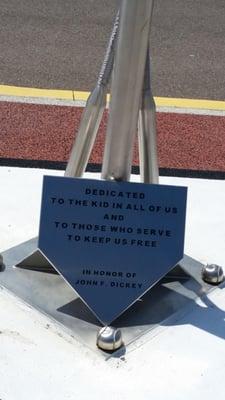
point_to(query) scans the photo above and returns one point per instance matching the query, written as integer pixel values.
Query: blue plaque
(111, 241)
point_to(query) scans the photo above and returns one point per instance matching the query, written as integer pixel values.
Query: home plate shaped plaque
(111, 241)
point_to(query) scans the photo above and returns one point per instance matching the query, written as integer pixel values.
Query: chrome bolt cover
(213, 274)
(109, 338)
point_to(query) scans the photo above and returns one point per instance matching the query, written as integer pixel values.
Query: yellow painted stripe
(171, 102)
(6, 90)
(190, 103)
(83, 96)
(35, 92)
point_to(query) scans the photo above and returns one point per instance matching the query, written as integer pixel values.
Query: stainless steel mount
(131, 108)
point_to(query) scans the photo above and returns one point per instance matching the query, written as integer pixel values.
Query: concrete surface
(181, 359)
(58, 44)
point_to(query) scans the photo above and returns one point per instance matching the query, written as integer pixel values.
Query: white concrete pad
(182, 359)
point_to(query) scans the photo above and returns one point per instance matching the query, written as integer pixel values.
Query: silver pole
(147, 132)
(126, 88)
(92, 114)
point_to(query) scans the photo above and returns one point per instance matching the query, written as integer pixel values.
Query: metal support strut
(148, 159)
(92, 114)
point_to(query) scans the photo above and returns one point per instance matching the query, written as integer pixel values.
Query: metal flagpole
(127, 82)
(92, 114)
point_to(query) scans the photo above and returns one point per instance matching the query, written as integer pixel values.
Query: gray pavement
(60, 44)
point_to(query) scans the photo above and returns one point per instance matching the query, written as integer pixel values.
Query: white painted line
(82, 103)
(42, 101)
(193, 111)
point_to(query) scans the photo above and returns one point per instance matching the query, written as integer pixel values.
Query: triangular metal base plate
(50, 294)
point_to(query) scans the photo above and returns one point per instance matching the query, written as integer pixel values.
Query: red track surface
(44, 132)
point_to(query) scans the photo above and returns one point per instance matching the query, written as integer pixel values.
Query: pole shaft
(128, 74)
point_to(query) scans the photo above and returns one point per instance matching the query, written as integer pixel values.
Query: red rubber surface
(44, 132)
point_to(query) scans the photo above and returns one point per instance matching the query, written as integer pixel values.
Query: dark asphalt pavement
(60, 44)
